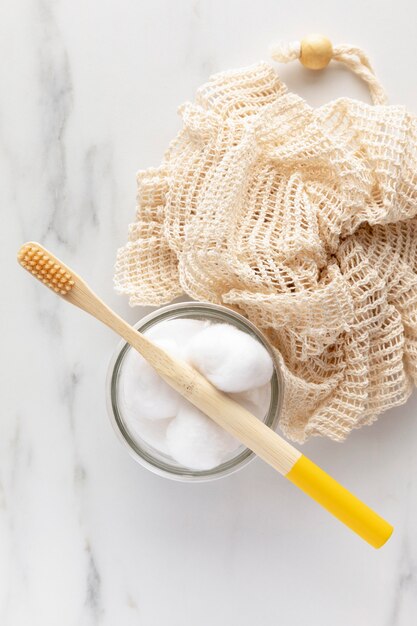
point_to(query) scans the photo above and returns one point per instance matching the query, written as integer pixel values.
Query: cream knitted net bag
(302, 219)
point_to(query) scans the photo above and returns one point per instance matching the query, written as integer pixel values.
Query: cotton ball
(256, 400)
(171, 346)
(146, 395)
(179, 331)
(151, 432)
(231, 359)
(197, 442)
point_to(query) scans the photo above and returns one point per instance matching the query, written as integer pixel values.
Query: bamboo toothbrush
(226, 412)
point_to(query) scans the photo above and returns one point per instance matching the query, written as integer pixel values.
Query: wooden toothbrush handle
(189, 383)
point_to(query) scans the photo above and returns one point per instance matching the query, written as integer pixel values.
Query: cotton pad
(231, 359)
(195, 441)
(145, 394)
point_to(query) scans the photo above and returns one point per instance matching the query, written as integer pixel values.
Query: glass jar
(141, 450)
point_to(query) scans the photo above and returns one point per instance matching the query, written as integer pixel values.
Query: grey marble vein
(93, 594)
(56, 102)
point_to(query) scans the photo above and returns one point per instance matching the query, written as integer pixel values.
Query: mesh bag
(305, 221)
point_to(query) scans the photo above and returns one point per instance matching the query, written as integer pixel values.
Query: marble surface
(89, 95)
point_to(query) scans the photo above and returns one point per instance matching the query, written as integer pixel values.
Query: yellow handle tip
(340, 502)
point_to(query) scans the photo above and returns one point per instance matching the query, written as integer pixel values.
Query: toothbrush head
(45, 267)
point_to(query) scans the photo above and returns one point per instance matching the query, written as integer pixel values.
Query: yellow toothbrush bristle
(45, 268)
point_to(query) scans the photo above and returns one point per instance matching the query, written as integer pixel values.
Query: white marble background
(89, 92)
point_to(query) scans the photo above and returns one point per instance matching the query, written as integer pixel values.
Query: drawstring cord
(316, 51)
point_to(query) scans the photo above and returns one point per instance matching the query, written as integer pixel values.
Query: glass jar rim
(142, 456)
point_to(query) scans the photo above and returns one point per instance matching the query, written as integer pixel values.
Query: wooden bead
(316, 52)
